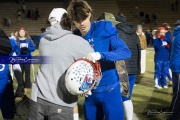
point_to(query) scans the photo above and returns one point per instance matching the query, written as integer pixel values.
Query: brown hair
(79, 10)
(65, 23)
(26, 33)
(26, 36)
(166, 26)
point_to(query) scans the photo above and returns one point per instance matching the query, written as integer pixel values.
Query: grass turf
(149, 103)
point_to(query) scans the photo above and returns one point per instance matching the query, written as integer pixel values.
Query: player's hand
(86, 94)
(93, 56)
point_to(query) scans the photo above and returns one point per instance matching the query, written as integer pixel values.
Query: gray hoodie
(64, 47)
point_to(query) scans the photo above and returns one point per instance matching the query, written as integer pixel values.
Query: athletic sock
(128, 109)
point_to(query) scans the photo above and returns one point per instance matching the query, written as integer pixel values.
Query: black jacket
(128, 35)
(5, 45)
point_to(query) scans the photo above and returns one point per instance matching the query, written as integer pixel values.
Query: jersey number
(2, 66)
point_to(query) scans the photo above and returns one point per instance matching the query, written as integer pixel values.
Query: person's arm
(145, 42)
(31, 47)
(157, 43)
(119, 50)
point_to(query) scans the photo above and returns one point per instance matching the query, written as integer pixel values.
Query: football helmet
(82, 76)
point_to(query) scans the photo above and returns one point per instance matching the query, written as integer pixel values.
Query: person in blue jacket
(168, 37)
(106, 99)
(161, 58)
(175, 67)
(17, 71)
(25, 47)
(7, 98)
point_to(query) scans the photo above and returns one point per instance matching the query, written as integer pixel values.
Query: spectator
(5, 46)
(147, 19)
(16, 69)
(5, 21)
(154, 34)
(154, 19)
(37, 13)
(143, 42)
(151, 37)
(25, 47)
(8, 22)
(23, 7)
(174, 65)
(141, 15)
(148, 37)
(7, 98)
(52, 93)
(121, 17)
(169, 38)
(28, 15)
(12, 36)
(19, 15)
(33, 14)
(103, 37)
(161, 58)
(128, 34)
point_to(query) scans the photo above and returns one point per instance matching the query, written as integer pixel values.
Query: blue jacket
(175, 53)
(161, 52)
(5, 76)
(31, 47)
(169, 36)
(103, 37)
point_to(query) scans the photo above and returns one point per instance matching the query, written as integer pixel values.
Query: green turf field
(149, 103)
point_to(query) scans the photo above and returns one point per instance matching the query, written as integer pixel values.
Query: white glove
(93, 56)
(164, 43)
(86, 94)
(23, 45)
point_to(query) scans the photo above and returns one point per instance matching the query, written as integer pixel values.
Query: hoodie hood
(103, 27)
(127, 28)
(55, 32)
(176, 30)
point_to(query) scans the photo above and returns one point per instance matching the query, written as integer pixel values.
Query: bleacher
(9, 9)
(162, 8)
(128, 7)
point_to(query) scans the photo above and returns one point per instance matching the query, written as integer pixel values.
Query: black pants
(43, 110)
(7, 100)
(26, 69)
(175, 103)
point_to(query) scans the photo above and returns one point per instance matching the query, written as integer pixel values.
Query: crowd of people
(109, 40)
(20, 44)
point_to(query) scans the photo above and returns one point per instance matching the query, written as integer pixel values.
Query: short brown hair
(78, 10)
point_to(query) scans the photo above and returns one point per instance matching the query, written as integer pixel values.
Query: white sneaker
(165, 87)
(158, 87)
